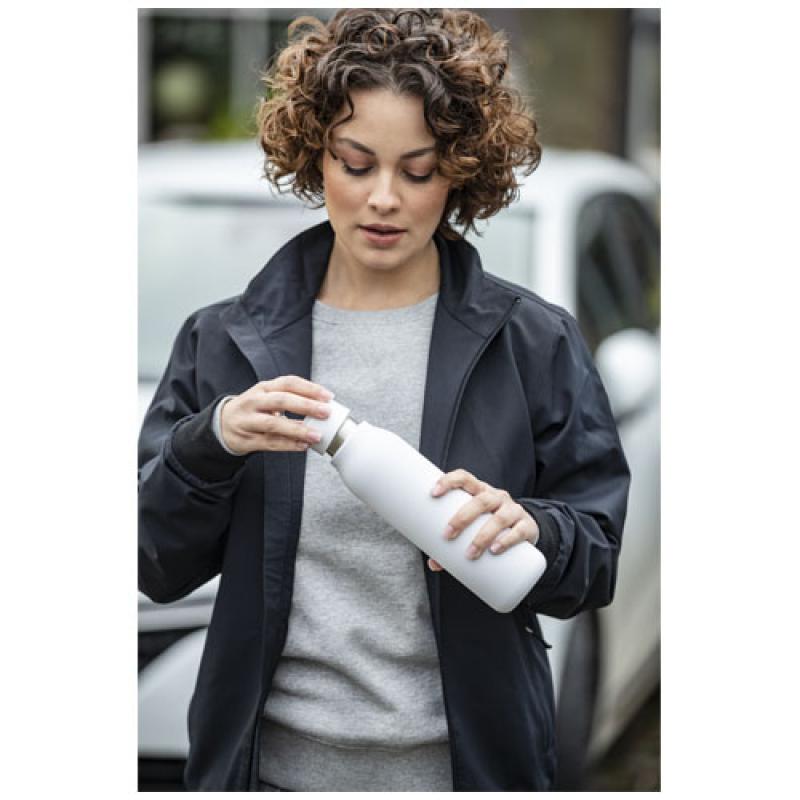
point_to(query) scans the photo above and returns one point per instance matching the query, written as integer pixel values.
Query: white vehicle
(583, 235)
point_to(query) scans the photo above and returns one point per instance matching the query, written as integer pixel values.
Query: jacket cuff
(199, 451)
(549, 537)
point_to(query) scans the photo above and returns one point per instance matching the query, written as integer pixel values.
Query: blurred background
(584, 235)
(593, 74)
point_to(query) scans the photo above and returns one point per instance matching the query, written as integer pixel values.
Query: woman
(335, 660)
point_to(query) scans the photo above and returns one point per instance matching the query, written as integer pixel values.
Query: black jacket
(511, 396)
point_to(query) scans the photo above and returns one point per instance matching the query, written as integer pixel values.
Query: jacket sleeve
(186, 483)
(581, 492)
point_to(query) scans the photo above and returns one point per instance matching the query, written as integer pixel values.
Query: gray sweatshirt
(356, 702)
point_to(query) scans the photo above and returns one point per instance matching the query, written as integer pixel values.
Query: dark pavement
(634, 763)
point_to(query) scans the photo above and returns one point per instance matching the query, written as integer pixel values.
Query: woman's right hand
(253, 421)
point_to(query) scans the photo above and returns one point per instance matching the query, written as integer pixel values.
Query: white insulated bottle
(383, 471)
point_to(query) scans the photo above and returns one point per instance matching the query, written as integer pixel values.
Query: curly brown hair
(449, 58)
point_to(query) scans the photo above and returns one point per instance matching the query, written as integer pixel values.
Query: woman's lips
(382, 238)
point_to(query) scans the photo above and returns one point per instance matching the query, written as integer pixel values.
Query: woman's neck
(355, 288)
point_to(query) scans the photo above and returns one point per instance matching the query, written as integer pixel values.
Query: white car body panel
(192, 611)
(166, 685)
(631, 633)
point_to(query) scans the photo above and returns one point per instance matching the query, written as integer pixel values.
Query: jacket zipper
(451, 426)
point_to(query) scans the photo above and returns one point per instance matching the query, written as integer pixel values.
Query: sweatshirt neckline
(326, 313)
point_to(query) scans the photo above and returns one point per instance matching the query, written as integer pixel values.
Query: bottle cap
(327, 427)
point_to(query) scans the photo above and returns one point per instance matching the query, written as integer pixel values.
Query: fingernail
(436, 490)
(328, 395)
(472, 551)
(496, 547)
(448, 531)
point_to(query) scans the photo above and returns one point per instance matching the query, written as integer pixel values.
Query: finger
(435, 566)
(298, 385)
(278, 402)
(510, 537)
(272, 427)
(282, 444)
(458, 478)
(256, 443)
(503, 519)
(484, 503)
(525, 530)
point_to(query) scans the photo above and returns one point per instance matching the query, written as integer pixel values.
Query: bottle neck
(345, 429)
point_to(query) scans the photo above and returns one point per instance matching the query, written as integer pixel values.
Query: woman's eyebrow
(364, 149)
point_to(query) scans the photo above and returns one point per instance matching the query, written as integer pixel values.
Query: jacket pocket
(534, 630)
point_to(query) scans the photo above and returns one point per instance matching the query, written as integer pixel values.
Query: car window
(618, 267)
(197, 250)
(506, 246)
(635, 229)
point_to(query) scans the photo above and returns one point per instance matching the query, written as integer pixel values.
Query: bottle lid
(327, 427)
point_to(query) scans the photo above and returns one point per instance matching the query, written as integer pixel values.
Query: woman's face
(381, 171)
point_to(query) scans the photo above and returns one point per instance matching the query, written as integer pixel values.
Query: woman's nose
(383, 198)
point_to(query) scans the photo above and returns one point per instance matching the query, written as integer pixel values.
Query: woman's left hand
(508, 518)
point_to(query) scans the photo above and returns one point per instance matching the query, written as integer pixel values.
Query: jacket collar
(286, 288)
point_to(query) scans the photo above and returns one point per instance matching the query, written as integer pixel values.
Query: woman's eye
(361, 171)
(420, 178)
(353, 170)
